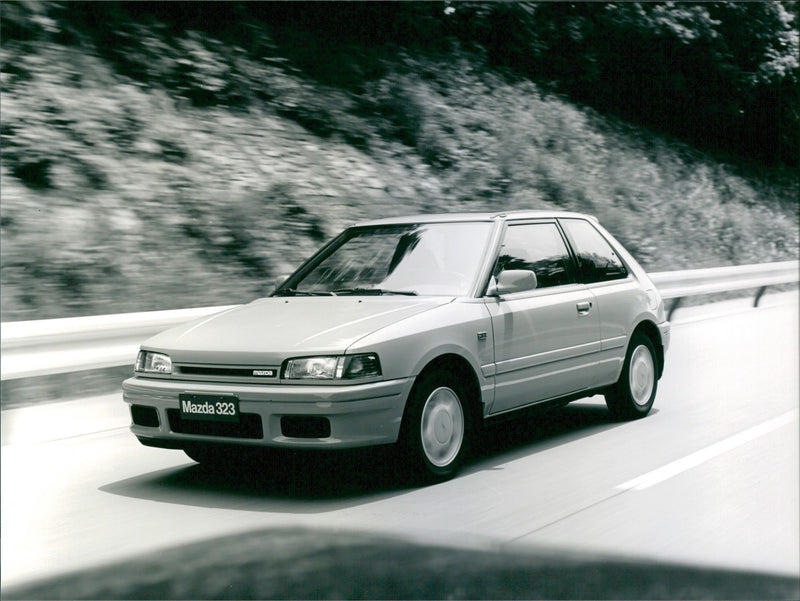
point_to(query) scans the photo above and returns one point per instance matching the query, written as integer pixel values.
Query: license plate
(210, 407)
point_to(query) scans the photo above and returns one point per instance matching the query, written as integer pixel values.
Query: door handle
(584, 308)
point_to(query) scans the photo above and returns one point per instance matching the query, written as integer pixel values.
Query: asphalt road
(710, 478)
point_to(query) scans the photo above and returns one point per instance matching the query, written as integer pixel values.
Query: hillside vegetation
(151, 161)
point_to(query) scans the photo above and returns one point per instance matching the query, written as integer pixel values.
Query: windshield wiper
(373, 291)
(293, 292)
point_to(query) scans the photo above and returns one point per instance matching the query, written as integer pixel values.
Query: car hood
(268, 330)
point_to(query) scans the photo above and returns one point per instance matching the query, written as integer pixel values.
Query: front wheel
(633, 395)
(437, 427)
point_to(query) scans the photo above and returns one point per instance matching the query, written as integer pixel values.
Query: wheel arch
(649, 329)
(464, 372)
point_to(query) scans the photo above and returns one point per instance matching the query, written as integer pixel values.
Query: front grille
(249, 426)
(250, 373)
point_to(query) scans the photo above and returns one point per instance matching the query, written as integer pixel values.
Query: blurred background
(171, 155)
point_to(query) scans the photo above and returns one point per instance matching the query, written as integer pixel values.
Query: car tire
(437, 427)
(633, 395)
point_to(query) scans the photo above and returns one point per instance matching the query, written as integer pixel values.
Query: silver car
(411, 331)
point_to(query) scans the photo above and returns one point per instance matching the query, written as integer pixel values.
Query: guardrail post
(759, 294)
(674, 306)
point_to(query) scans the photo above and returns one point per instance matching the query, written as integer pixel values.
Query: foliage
(722, 75)
(171, 155)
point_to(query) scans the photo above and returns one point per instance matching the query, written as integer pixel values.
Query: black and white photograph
(399, 300)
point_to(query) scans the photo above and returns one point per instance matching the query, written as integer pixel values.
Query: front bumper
(359, 415)
(664, 328)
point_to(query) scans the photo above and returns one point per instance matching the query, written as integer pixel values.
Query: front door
(547, 339)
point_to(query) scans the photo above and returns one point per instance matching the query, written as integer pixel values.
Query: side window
(597, 260)
(538, 247)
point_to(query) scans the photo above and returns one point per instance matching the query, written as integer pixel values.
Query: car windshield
(412, 259)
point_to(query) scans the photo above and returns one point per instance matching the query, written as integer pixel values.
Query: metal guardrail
(52, 346)
(678, 285)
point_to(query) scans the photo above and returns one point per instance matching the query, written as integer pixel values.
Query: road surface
(709, 478)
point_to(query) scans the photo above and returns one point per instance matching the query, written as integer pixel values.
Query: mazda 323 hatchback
(412, 332)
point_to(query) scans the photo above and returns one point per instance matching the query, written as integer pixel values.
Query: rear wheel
(633, 395)
(437, 426)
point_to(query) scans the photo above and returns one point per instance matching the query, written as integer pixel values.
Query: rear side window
(596, 259)
(538, 247)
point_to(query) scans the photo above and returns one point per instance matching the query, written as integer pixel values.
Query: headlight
(153, 363)
(348, 367)
(311, 368)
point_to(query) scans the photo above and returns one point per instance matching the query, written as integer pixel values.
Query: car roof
(486, 216)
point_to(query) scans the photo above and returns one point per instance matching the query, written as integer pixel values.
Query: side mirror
(513, 280)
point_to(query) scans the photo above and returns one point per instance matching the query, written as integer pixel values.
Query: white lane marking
(686, 463)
